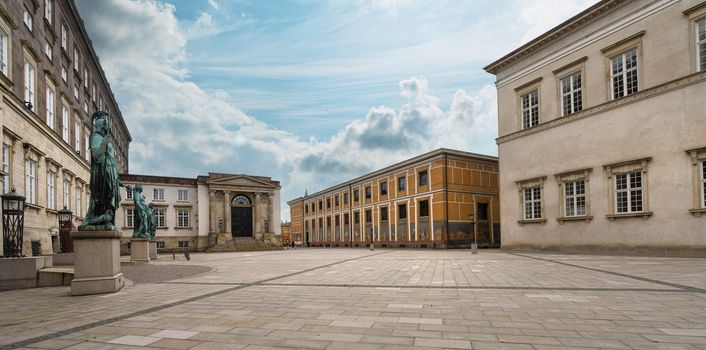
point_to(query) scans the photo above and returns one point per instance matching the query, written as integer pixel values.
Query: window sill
(53, 211)
(532, 221)
(645, 215)
(586, 218)
(697, 212)
(183, 228)
(34, 206)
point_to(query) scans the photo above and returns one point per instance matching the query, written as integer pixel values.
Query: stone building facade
(50, 83)
(602, 131)
(207, 213)
(422, 202)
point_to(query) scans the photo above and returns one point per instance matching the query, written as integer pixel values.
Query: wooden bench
(174, 251)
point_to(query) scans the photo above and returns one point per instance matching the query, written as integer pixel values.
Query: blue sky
(311, 93)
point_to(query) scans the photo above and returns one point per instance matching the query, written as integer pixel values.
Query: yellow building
(425, 201)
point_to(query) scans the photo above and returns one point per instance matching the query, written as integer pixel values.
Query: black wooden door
(241, 221)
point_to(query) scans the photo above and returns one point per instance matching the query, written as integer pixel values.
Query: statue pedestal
(140, 250)
(96, 262)
(153, 250)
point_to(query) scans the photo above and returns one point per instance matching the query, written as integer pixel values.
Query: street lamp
(474, 245)
(13, 219)
(65, 225)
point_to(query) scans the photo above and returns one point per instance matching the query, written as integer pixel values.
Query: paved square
(384, 299)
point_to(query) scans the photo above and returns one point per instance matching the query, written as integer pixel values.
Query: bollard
(372, 246)
(474, 248)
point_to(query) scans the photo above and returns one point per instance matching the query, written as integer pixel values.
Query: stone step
(55, 276)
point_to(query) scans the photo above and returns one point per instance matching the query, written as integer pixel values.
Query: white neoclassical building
(213, 212)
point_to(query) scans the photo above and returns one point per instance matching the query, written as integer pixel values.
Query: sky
(310, 93)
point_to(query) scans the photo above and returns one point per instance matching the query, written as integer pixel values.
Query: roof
(553, 34)
(157, 179)
(423, 157)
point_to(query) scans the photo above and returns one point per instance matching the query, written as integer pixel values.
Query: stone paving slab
(383, 299)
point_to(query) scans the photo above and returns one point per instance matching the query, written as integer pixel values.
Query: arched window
(241, 200)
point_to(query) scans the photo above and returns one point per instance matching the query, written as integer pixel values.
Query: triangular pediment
(241, 181)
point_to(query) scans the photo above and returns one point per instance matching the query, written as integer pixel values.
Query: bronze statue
(105, 185)
(152, 222)
(141, 215)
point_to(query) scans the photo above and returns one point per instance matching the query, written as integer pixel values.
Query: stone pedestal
(140, 250)
(18, 273)
(96, 262)
(153, 250)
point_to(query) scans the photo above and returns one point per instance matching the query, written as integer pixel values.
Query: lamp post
(13, 219)
(65, 225)
(474, 245)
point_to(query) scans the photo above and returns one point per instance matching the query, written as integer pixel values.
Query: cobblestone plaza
(383, 299)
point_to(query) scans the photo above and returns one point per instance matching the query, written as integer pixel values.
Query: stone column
(257, 216)
(226, 218)
(270, 210)
(212, 211)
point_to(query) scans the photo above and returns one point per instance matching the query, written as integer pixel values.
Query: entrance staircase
(241, 244)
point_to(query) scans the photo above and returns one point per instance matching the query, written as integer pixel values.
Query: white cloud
(214, 5)
(181, 129)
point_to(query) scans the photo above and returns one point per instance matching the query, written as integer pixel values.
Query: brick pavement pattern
(383, 299)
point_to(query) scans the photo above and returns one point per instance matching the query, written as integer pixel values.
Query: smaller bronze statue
(152, 222)
(142, 221)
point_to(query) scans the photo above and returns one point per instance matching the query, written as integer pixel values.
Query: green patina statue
(142, 214)
(105, 185)
(152, 222)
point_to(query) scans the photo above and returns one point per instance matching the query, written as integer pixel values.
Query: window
(93, 92)
(383, 214)
(338, 220)
(383, 188)
(183, 195)
(66, 189)
(129, 218)
(64, 75)
(368, 216)
(48, 10)
(76, 92)
(31, 181)
(701, 43)
(335, 200)
(27, 20)
(346, 219)
(402, 211)
(159, 215)
(160, 244)
(87, 144)
(30, 77)
(356, 218)
(628, 192)
(423, 208)
(532, 200)
(182, 218)
(128, 192)
(4, 42)
(78, 202)
(50, 105)
(158, 194)
(328, 203)
(575, 198)
(356, 195)
(64, 36)
(85, 107)
(423, 178)
(183, 244)
(402, 184)
(65, 123)
(530, 109)
(345, 198)
(328, 222)
(48, 51)
(76, 63)
(703, 183)
(51, 190)
(624, 73)
(368, 192)
(77, 136)
(571, 94)
(86, 77)
(6, 168)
